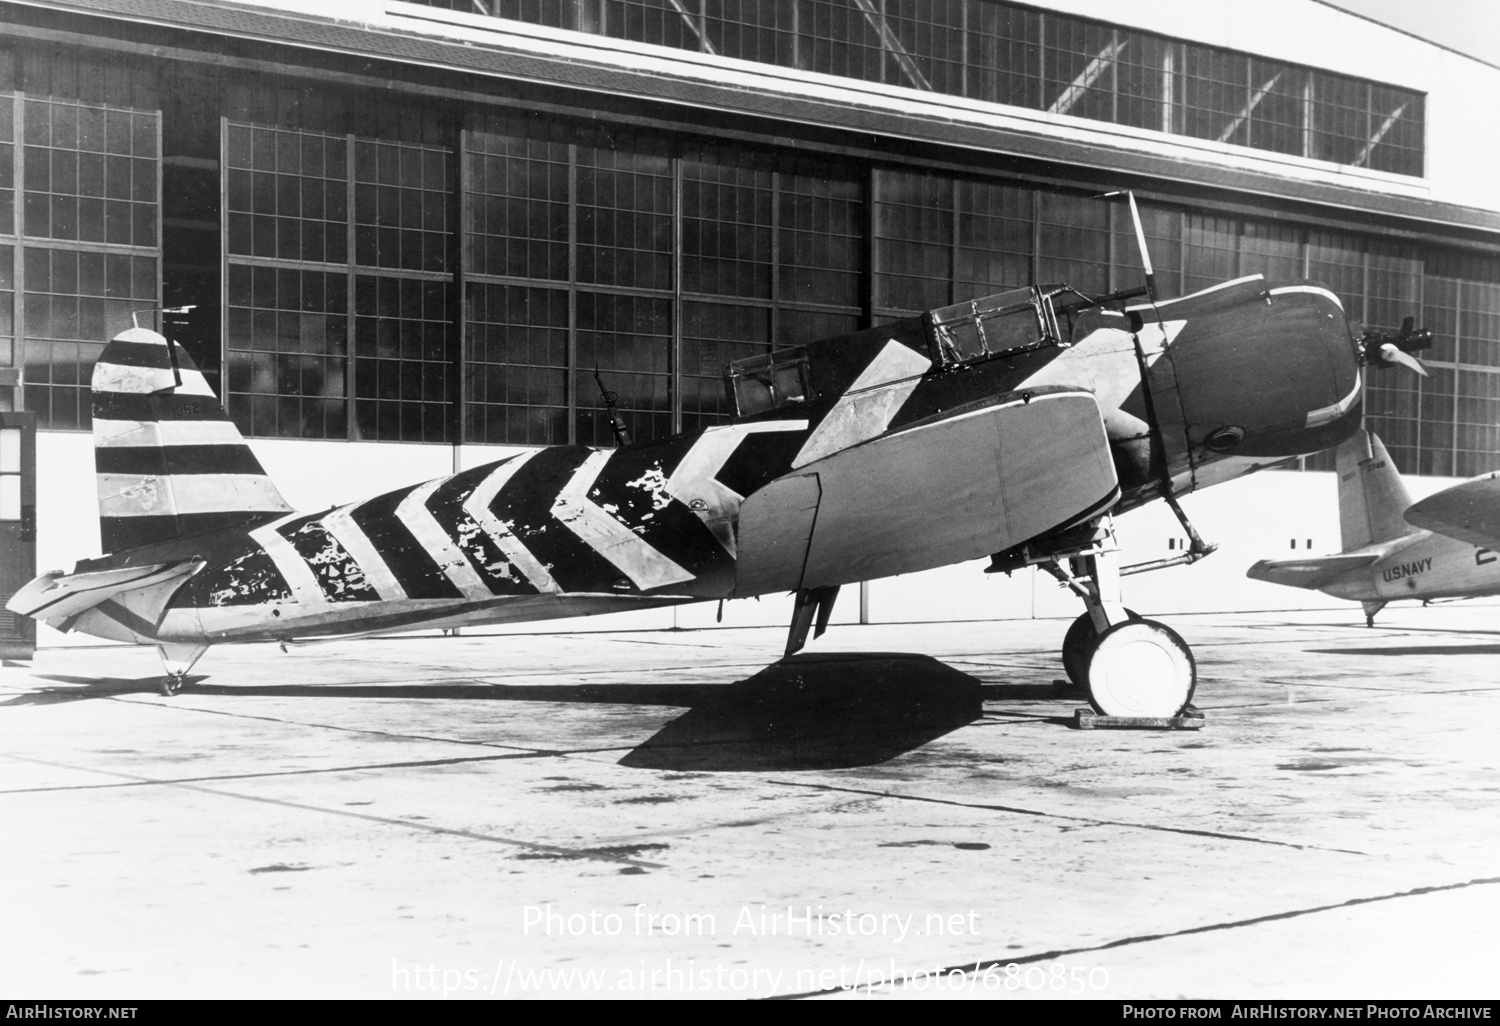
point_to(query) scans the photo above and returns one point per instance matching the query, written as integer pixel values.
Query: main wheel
(1140, 668)
(1078, 644)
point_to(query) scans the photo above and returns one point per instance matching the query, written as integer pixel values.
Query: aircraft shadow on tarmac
(815, 711)
(808, 711)
(1407, 650)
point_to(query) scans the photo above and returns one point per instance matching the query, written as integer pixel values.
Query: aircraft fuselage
(1239, 376)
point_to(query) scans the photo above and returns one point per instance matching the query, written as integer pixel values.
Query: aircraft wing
(58, 596)
(970, 482)
(1469, 512)
(1310, 573)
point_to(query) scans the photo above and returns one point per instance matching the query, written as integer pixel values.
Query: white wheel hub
(1140, 668)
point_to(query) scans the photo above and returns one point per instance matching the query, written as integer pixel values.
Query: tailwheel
(177, 658)
(1140, 668)
(1078, 645)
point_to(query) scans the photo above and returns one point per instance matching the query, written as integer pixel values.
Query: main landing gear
(1128, 665)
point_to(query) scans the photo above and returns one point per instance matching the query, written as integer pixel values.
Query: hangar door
(17, 528)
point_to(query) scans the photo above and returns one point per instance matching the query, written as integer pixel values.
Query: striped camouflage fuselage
(571, 530)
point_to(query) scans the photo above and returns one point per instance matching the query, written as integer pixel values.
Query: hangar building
(400, 238)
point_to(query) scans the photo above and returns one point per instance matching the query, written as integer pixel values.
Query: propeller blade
(1390, 354)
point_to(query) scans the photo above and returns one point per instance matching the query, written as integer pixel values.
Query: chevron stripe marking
(646, 567)
(413, 512)
(299, 577)
(695, 484)
(478, 505)
(340, 523)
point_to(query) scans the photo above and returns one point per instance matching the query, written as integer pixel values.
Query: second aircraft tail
(1372, 497)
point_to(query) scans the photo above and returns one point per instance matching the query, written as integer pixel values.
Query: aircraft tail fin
(1372, 497)
(168, 461)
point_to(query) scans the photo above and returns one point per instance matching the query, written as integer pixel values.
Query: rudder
(169, 463)
(1372, 497)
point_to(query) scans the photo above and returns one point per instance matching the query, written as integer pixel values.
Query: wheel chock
(1189, 719)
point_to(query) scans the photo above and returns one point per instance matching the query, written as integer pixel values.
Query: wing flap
(1469, 512)
(1310, 573)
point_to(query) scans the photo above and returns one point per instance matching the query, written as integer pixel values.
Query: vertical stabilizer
(1372, 496)
(169, 463)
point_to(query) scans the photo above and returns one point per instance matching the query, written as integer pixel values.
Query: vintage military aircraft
(1442, 547)
(1011, 426)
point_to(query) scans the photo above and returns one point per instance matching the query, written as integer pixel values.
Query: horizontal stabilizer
(58, 596)
(1310, 573)
(1469, 512)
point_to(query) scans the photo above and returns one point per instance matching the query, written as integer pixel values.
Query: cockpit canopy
(978, 329)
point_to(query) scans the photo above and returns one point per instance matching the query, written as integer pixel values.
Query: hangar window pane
(727, 206)
(404, 368)
(1210, 251)
(624, 214)
(287, 352)
(75, 302)
(1477, 417)
(1143, 77)
(751, 30)
(994, 239)
(1005, 55)
(403, 205)
(7, 306)
(1337, 261)
(798, 327)
(1079, 63)
(518, 200)
(913, 240)
(1073, 242)
(286, 193)
(1440, 316)
(629, 339)
(1479, 325)
(1274, 250)
(517, 366)
(552, 13)
(1214, 94)
(1437, 391)
(675, 23)
(712, 336)
(1396, 131)
(1278, 107)
(820, 236)
(840, 37)
(91, 173)
(7, 163)
(1340, 127)
(924, 41)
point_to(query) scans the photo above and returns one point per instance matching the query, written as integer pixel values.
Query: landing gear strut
(810, 602)
(1129, 666)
